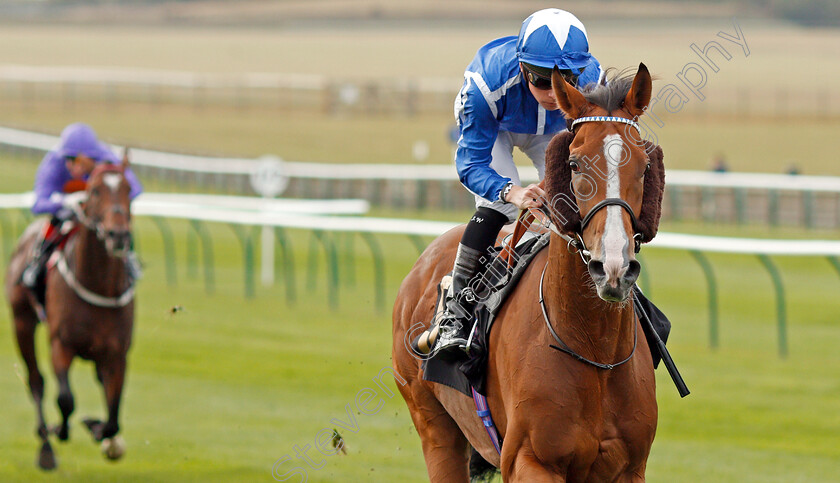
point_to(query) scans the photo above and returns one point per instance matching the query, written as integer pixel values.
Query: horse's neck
(93, 267)
(596, 329)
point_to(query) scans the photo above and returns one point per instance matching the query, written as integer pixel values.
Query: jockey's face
(545, 97)
(80, 166)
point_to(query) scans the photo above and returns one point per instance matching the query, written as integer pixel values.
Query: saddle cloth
(497, 282)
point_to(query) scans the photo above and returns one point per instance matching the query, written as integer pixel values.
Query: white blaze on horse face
(614, 240)
(112, 180)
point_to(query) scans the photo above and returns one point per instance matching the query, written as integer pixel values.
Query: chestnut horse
(562, 419)
(89, 306)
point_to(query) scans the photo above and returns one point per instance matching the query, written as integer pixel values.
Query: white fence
(16, 138)
(277, 214)
(812, 201)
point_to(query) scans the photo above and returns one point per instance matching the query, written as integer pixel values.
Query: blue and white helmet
(552, 37)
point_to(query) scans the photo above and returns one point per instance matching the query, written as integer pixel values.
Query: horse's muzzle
(614, 283)
(118, 242)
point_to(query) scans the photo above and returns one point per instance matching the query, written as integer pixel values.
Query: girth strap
(483, 412)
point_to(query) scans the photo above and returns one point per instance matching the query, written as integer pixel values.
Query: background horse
(89, 306)
(561, 418)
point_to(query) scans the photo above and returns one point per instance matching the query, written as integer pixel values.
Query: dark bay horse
(561, 419)
(89, 307)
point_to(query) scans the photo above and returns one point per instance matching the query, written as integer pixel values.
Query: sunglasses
(72, 159)
(544, 83)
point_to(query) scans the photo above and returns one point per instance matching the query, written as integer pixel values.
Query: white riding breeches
(533, 145)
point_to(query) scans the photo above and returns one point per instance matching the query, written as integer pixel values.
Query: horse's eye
(647, 168)
(574, 165)
(94, 192)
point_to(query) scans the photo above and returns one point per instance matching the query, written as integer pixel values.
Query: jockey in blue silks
(78, 152)
(506, 101)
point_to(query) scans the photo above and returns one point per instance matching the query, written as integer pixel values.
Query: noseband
(637, 237)
(578, 244)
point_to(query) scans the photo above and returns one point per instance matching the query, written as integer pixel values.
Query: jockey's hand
(531, 196)
(73, 201)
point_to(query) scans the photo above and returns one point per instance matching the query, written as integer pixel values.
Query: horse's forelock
(106, 168)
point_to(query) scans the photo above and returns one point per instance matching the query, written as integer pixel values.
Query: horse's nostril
(632, 272)
(596, 269)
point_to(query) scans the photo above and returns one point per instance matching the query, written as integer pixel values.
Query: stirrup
(449, 337)
(29, 277)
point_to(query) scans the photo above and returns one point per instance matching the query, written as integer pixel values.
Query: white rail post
(269, 180)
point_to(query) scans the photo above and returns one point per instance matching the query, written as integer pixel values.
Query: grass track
(220, 391)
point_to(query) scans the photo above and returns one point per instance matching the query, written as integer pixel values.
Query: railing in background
(772, 199)
(325, 230)
(70, 86)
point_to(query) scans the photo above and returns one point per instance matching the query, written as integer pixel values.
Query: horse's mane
(611, 95)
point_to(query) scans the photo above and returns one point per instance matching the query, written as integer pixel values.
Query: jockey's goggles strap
(582, 120)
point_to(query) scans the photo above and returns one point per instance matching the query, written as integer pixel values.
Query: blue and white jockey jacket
(495, 97)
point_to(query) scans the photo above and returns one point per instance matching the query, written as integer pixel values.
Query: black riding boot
(33, 273)
(479, 235)
(455, 322)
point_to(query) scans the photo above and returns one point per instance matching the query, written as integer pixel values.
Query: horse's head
(604, 182)
(107, 208)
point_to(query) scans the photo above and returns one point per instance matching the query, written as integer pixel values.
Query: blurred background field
(222, 389)
(786, 85)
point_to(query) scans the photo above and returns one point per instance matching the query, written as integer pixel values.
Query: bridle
(94, 224)
(578, 244)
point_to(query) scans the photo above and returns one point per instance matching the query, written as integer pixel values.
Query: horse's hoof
(62, 432)
(95, 427)
(46, 459)
(113, 448)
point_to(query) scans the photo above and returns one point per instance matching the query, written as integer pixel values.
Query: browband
(582, 120)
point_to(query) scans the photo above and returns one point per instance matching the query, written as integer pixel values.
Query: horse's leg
(26, 321)
(111, 373)
(62, 357)
(520, 464)
(444, 446)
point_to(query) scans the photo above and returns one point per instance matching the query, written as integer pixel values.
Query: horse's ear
(125, 159)
(570, 100)
(639, 95)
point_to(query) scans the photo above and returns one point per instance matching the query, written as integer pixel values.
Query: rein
(67, 274)
(578, 244)
(563, 347)
(86, 294)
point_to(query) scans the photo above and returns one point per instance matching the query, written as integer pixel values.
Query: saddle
(498, 280)
(54, 239)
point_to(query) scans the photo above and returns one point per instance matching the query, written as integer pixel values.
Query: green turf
(223, 389)
(226, 387)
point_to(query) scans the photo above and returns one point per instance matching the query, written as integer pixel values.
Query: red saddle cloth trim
(61, 243)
